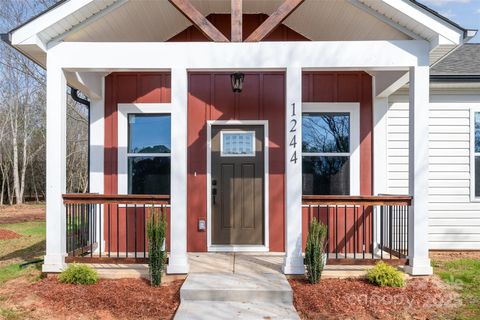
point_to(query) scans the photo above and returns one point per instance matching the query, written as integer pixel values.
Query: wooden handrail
(383, 200)
(95, 198)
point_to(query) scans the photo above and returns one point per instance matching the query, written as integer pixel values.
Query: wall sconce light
(237, 81)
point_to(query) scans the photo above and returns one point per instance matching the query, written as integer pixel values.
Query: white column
(56, 168)
(178, 260)
(293, 263)
(418, 171)
(97, 139)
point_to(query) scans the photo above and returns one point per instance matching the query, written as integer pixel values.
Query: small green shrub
(384, 275)
(78, 274)
(316, 241)
(156, 230)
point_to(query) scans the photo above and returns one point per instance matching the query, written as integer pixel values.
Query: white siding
(454, 217)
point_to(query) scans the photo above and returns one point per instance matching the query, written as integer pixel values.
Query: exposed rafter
(199, 20)
(274, 20)
(237, 21)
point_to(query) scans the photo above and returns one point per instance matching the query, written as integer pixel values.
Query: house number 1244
(293, 130)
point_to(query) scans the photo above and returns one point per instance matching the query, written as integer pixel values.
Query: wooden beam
(275, 19)
(237, 21)
(199, 20)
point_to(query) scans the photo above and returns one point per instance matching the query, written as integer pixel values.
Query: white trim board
(237, 248)
(354, 110)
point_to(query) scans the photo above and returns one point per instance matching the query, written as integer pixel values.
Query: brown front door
(237, 184)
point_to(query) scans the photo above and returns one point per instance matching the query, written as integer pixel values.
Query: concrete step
(267, 287)
(199, 310)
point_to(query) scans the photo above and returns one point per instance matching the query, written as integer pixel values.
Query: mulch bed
(422, 298)
(114, 299)
(8, 234)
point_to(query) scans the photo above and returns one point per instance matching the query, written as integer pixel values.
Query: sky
(466, 13)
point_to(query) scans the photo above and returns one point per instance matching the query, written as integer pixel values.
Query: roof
(461, 65)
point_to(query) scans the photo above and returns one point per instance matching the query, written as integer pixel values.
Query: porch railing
(109, 228)
(362, 229)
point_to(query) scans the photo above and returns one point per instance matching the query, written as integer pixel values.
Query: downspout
(75, 97)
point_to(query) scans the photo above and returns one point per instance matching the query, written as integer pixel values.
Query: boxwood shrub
(78, 274)
(384, 275)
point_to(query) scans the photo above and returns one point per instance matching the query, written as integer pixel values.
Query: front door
(237, 184)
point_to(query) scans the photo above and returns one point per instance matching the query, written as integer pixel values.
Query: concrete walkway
(238, 286)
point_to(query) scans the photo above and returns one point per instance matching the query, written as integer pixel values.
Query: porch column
(56, 168)
(293, 263)
(418, 171)
(178, 260)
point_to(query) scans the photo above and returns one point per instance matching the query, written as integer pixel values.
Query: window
(476, 154)
(238, 143)
(148, 153)
(330, 149)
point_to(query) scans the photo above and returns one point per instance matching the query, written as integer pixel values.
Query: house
(244, 120)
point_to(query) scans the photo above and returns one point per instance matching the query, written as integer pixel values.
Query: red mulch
(422, 298)
(117, 299)
(8, 234)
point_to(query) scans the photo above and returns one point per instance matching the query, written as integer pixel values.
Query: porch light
(237, 81)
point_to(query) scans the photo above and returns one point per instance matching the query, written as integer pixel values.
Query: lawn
(464, 275)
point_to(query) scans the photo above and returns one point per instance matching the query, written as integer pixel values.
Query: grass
(14, 252)
(464, 274)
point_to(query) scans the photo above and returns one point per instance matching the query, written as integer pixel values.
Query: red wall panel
(250, 23)
(345, 87)
(211, 98)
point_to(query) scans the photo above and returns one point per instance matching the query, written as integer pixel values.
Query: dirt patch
(22, 213)
(8, 234)
(454, 255)
(422, 298)
(108, 299)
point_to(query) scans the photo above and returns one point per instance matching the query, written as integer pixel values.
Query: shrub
(156, 229)
(385, 275)
(78, 274)
(314, 251)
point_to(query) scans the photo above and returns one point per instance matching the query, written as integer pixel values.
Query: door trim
(237, 248)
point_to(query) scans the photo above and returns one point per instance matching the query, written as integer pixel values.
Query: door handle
(214, 193)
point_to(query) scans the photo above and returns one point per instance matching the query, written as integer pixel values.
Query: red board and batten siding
(127, 87)
(211, 98)
(345, 87)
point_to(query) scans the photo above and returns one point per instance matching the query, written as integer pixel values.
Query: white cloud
(448, 14)
(478, 10)
(444, 2)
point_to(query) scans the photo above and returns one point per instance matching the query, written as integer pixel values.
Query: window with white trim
(148, 153)
(476, 154)
(326, 153)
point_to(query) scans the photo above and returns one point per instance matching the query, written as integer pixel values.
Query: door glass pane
(149, 133)
(325, 175)
(149, 175)
(325, 132)
(238, 143)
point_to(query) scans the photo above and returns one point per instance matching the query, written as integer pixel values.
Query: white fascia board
(310, 55)
(47, 19)
(428, 20)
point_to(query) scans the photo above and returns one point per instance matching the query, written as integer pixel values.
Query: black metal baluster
(354, 232)
(109, 235)
(328, 229)
(381, 231)
(144, 233)
(92, 225)
(100, 229)
(363, 233)
(336, 231)
(118, 232)
(390, 231)
(372, 230)
(74, 229)
(126, 230)
(135, 231)
(345, 231)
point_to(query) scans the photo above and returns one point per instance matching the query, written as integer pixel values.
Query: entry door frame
(237, 248)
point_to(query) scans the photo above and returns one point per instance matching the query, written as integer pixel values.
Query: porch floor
(229, 263)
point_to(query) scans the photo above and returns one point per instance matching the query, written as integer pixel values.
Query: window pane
(149, 175)
(477, 131)
(325, 132)
(149, 133)
(477, 176)
(238, 143)
(326, 176)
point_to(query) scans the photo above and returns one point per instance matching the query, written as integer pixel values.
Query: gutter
(455, 78)
(75, 97)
